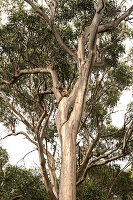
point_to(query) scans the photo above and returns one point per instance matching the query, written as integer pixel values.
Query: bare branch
(96, 19)
(52, 8)
(122, 2)
(110, 159)
(16, 197)
(44, 173)
(73, 94)
(55, 84)
(26, 155)
(36, 71)
(41, 12)
(51, 165)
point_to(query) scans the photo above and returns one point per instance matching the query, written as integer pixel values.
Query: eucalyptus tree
(61, 76)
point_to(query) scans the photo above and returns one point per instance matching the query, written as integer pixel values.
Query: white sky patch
(17, 147)
(118, 117)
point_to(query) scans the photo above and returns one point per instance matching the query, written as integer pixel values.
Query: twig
(26, 155)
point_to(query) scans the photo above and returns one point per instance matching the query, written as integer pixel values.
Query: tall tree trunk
(68, 165)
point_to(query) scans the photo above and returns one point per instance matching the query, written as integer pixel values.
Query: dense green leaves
(15, 181)
(23, 183)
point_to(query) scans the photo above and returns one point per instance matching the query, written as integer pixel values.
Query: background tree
(61, 77)
(99, 181)
(18, 183)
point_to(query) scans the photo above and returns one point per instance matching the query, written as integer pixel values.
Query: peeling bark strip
(68, 124)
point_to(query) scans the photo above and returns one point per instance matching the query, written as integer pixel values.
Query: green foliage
(3, 157)
(3, 161)
(23, 182)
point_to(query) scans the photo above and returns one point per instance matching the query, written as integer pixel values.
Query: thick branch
(112, 25)
(55, 84)
(85, 33)
(73, 94)
(36, 71)
(25, 71)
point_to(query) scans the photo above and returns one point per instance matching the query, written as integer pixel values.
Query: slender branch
(20, 133)
(51, 165)
(53, 27)
(36, 71)
(88, 154)
(40, 120)
(55, 84)
(44, 173)
(99, 164)
(52, 8)
(116, 178)
(26, 155)
(110, 159)
(2, 95)
(41, 12)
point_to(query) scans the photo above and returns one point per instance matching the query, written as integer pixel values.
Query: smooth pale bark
(68, 129)
(68, 165)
